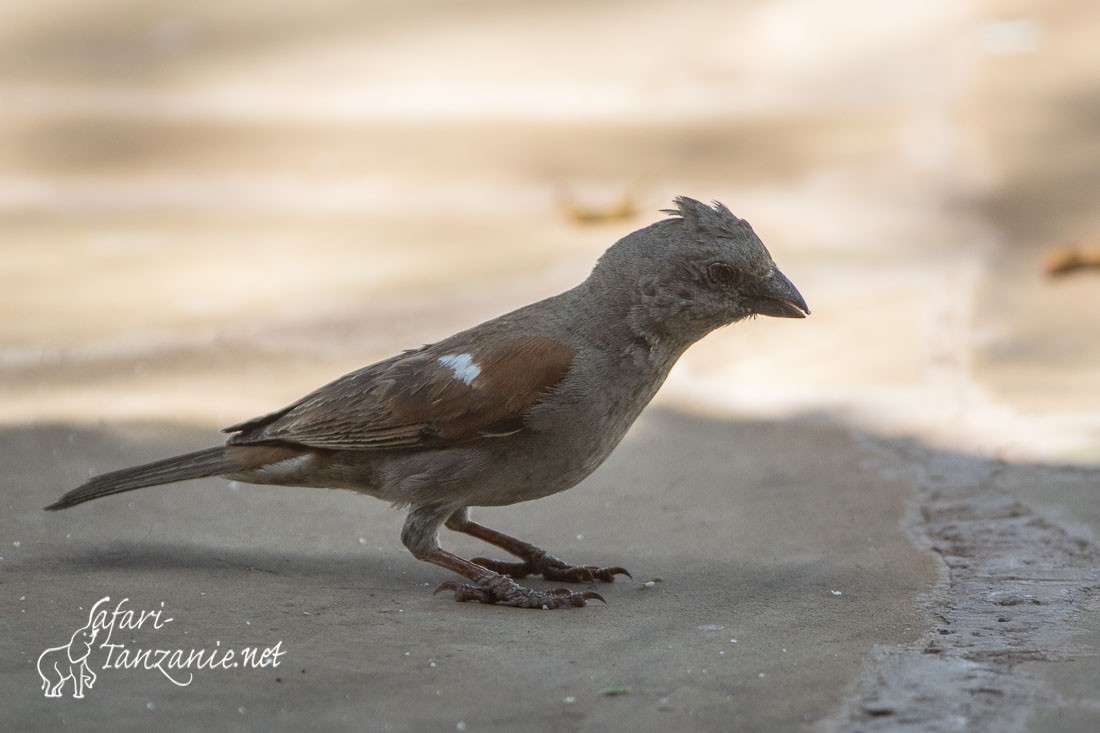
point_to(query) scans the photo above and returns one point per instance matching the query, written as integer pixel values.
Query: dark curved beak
(778, 297)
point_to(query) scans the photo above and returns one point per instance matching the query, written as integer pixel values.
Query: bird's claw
(584, 573)
(512, 594)
(550, 568)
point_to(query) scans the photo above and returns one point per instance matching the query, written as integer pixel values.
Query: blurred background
(208, 209)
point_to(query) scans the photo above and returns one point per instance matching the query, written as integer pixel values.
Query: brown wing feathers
(426, 398)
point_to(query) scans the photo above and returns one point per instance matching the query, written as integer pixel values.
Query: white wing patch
(463, 366)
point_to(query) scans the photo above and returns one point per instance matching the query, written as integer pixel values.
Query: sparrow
(517, 408)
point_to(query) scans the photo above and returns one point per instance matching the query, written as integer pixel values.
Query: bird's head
(700, 270)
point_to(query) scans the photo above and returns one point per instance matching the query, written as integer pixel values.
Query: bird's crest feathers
(716, 220)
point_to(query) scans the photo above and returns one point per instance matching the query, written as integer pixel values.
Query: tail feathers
(209, 462)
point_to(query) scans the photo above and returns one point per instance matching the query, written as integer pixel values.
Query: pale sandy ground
(892, 506)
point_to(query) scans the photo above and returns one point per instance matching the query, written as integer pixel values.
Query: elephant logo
(60, 664)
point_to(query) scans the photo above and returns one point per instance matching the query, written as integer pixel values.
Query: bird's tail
(200, 464)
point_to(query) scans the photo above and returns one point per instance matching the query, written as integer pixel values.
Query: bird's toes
(511, 569)
(568, 573)
(502, 590)
(583, 573)
(466, 592)
(560, 598)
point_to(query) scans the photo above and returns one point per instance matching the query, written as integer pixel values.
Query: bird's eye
(722, 274)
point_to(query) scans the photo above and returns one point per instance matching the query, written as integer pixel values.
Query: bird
(520, 407)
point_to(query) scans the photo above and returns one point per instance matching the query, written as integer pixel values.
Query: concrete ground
(884, 517)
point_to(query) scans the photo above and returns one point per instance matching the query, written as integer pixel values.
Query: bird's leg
(420, 535)
(536, 561)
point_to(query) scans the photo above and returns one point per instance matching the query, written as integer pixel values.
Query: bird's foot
(551, 568)
(499, 589)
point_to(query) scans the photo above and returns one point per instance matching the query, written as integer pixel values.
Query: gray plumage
(516, 408)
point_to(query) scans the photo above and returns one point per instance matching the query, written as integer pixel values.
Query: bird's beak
(778, 297)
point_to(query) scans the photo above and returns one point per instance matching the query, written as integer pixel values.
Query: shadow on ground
(784, 551)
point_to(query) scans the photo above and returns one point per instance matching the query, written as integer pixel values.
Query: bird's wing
(425, 398)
